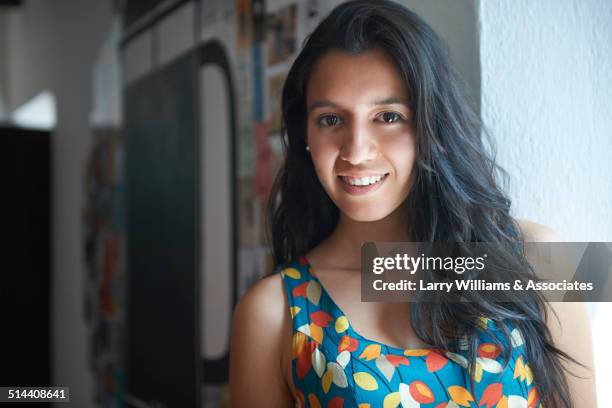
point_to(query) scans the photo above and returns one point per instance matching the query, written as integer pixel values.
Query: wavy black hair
(456, 195)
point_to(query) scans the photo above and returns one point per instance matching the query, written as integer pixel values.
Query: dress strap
(298, 283)
(312, 313)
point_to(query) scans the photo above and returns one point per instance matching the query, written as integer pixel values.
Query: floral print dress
(333, 366)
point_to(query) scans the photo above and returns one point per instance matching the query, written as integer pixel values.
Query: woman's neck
(349, 235)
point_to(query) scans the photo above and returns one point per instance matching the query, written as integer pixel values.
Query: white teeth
(364, 181)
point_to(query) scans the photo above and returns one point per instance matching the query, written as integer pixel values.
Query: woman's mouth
(362, 185)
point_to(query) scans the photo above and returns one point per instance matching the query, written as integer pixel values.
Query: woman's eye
(331, 120)
(328, 120)
(390, 117)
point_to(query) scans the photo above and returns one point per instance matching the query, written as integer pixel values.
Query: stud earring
(307, 148)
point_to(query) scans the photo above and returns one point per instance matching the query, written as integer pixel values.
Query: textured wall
(546, 79)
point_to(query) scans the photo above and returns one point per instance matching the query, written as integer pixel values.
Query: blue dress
(334, 366)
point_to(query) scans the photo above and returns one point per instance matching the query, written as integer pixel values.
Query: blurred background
(140, 139)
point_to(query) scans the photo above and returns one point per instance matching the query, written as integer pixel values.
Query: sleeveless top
(333, 366)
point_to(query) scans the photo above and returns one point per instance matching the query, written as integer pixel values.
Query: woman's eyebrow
(326, 103)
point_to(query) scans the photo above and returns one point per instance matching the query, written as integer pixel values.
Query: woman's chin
(364, 213)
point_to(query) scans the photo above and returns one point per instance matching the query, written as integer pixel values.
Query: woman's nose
(358, 145)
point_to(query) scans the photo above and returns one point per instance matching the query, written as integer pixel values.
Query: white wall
(545, 81)
(52, 45)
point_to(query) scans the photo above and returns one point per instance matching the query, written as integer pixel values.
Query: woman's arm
(259, 328)
(571, 332)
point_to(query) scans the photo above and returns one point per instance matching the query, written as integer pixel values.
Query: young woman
(380, 146)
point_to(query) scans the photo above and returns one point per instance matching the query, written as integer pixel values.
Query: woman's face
(361, 133)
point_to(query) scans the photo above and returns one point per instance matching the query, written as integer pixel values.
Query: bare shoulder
(569, 313)
(534, 232)
(259, 328)
(266, 297)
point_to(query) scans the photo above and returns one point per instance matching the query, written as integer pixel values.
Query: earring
(307, 148)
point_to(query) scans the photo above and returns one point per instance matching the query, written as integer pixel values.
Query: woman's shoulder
(534, 232)
(261, 328)
(263, 301)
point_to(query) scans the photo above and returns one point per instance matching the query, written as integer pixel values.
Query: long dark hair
(456, 196)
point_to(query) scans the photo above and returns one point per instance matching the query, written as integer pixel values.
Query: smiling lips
(362, 185)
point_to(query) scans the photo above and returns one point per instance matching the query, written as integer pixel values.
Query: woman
(380, 146)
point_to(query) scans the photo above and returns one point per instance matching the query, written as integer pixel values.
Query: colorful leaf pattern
(435, 361)
(366, 381)
(336, 367)
(491, 395)
(385, 367)
(371, 352)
